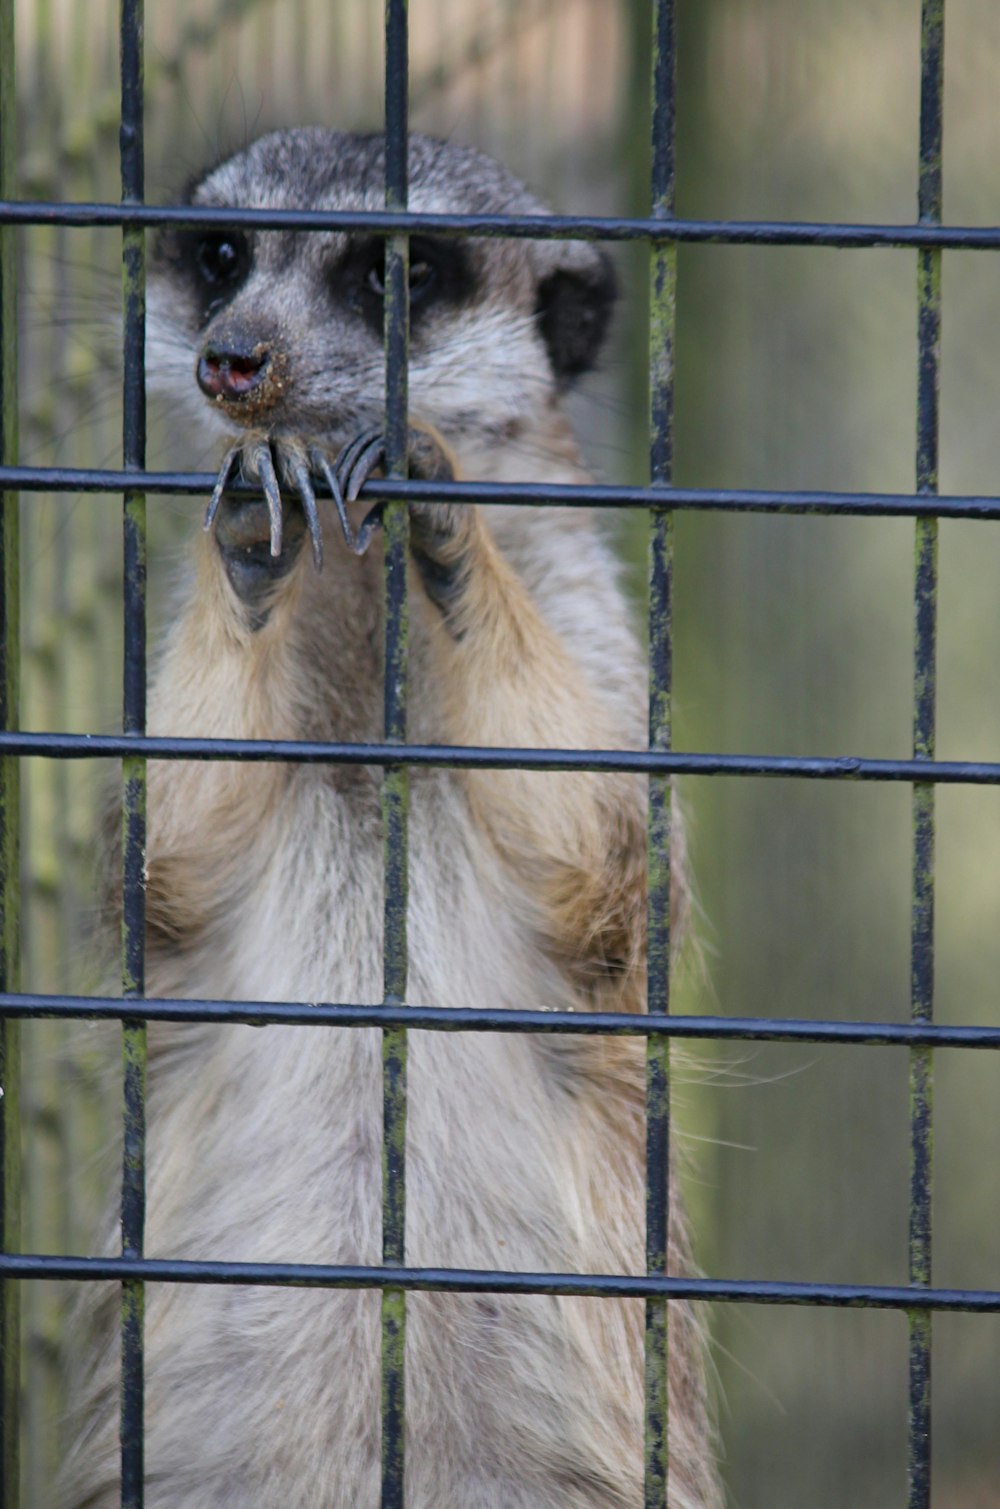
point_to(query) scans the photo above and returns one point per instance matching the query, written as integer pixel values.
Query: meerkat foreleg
(575, 842)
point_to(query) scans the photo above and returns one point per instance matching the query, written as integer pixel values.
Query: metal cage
(662, 232)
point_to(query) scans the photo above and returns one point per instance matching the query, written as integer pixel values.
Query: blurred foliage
(795, 368)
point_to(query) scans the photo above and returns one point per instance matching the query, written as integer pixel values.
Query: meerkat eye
(221, 259)
(423, 275)
(441, 274)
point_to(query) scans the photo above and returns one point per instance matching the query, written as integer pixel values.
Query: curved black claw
(264, 462)
(320, 464)
(225, 472)
(352, 469)
(435, 528)
(359, 460)
(303, 481)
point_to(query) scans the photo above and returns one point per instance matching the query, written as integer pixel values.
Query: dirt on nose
(247, 383)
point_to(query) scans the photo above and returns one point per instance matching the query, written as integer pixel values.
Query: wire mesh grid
(663, 232)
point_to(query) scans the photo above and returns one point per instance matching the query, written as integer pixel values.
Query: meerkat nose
(231, 374)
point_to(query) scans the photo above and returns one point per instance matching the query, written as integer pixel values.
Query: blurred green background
(795, 368)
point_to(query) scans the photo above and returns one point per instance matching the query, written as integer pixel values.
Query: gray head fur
(498, 327)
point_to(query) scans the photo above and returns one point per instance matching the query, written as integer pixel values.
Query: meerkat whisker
(303, 482)
(264, 462)
(225, 471)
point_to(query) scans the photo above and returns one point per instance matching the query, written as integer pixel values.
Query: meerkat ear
(576, 294)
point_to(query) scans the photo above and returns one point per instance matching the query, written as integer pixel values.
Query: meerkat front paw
(440, 533)
(259, 539)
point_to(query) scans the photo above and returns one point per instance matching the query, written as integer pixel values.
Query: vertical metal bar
(663, 274)
(395, 783)
(133, 766)
(10, 898)
(925, 654)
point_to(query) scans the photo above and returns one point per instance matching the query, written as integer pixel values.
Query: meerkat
(265, 882)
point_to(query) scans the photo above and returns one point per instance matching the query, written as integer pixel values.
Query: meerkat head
(280, 332)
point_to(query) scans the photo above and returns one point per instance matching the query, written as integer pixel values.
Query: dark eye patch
(213, 263)
(441, 272)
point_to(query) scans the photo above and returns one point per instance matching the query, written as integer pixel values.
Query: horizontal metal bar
(499, 1281)
(487, 757)
(497, 1019)
(577, 227)
(533, 494)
